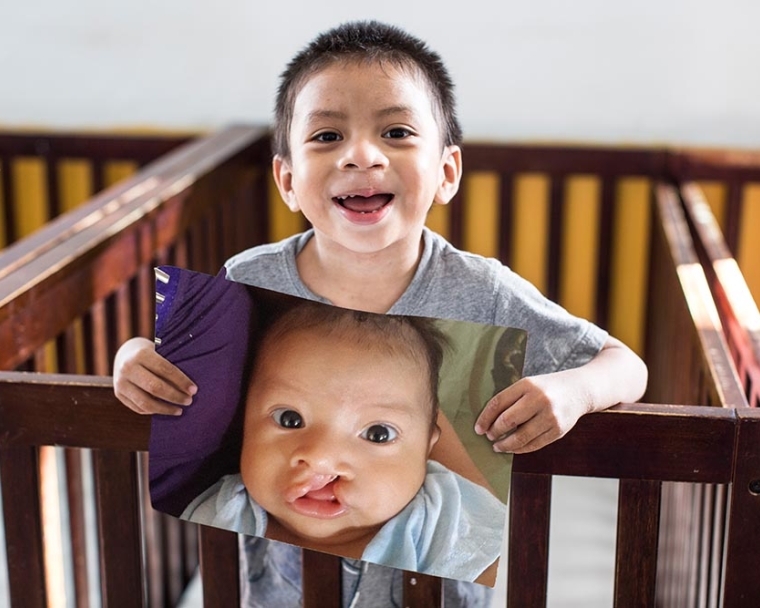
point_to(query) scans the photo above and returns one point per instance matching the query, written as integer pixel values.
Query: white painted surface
(653, 71)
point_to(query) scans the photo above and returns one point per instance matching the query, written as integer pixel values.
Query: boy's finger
(517, 415)
(141, 402)
(519, 443)
(161, 387)
(171, 374)
(495, 407)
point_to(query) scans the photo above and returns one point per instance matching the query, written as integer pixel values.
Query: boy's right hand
(147, 383)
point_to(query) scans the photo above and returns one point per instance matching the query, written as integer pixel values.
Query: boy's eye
(288, 419)
(379, 433)
(327, 137)
(397, 133)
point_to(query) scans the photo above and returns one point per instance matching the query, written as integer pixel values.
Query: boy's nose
(363, 153)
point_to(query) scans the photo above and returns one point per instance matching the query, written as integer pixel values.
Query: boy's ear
(283, 177)
(450, 174)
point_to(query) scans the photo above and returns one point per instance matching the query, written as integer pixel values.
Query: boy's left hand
(537, 410)
(531, 413)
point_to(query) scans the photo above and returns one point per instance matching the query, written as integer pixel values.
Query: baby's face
(336, 436)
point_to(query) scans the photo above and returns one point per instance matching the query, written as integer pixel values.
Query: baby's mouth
(318, 487)
(364, 204)
(317, 498)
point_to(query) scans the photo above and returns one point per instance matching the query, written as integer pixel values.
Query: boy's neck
(370, 282)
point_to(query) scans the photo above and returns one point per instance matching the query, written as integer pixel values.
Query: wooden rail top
(637, 441)
(732, 294)
(32, 260)
(696, 289)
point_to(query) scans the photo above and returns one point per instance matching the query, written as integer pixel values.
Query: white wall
(646, 71)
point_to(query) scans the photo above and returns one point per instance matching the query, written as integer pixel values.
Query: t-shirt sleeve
(557, 340)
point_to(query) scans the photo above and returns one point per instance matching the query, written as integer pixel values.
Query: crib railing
(71, 293)
(47, 174)
(738, 310)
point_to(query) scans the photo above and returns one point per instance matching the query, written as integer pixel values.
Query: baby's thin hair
(366, 42)
(415, 337)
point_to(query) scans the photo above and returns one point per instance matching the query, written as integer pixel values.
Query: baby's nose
(322, 454)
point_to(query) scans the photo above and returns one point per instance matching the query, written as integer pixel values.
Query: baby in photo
(341, 414)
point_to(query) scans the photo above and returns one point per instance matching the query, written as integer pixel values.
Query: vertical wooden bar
(422, 591)
(120, 535)
(456, 218)
(219, 567)
(77, 524)
(742, 584)
(98, 175)
(604, 265)
(172, 555)
(19, 471)
(636, 552)
(506, 217)
(154, 546)
(53, 186)
(529, 514)
(98, 339)
(9, 211)
(733, 215)
(321, 580)
(556, 215)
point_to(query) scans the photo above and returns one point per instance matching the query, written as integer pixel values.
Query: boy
(365, 140)
(340, 418)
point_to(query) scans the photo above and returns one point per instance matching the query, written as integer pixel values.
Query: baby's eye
(397, 133)
(288, 419)
(327, 137)
(379, 433)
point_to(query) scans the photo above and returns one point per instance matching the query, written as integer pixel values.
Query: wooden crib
(601, 230)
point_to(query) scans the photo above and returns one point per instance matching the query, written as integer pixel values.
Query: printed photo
(335, 430)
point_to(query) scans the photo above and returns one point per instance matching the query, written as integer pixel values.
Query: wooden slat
(422, 591)
(119, 532)
(77, 525)
(19, 472)
(219, 567)
(556, 219)
(742, 585)
(636, 552)
(529, 514)
(321, 580)
(605, 232)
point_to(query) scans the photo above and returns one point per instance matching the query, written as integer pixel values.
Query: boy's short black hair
(418, 338)
(368, 41)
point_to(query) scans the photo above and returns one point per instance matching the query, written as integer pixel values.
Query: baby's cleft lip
(316, 486)
(318, 499)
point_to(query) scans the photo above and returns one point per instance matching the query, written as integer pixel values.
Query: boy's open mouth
(363, 204)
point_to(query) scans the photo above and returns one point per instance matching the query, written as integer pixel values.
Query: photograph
(336, 430)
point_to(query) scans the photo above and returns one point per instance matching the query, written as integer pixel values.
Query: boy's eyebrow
(338, 115)
(317, 114)
(395, 110)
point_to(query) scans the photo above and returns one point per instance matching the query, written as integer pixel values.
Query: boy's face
(367, 160)
(336, 436)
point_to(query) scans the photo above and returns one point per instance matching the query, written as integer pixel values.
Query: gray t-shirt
(448, 284)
